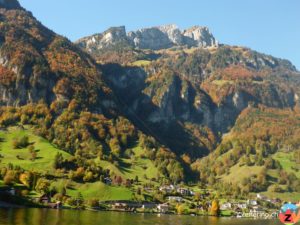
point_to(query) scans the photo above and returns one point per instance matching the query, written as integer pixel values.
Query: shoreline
(5, 205)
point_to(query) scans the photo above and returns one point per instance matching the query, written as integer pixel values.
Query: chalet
(119, 206)
(125, 205)
(167, 188)
(242, 205)
(261, 197)
(226, 206)
(252, 202)
(163, 208)
(184, 191)
(175, 199)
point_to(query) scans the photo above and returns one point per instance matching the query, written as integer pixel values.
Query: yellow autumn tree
(215, 208)
(25, 179)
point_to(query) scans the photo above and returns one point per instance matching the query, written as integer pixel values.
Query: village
(177, 200)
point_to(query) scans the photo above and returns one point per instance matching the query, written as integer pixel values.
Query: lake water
(69, 217)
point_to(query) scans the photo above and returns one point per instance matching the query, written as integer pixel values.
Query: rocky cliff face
(109, 38)
(186, 94)
(37, 64)
(154, 38)
(199, 36)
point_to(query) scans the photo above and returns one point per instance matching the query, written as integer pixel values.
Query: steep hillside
(260, 154)
(52, 86)
(161, 106)
(190, 97)
(37, 64)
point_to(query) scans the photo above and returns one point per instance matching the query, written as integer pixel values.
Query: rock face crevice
(154, 38)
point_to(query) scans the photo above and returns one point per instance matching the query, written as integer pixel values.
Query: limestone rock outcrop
(154, 38)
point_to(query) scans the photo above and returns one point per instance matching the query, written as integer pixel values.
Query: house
(167, 188)
(125, 205)
(261, 197)
(226, 206)
(242, 205)
(183, 191)
(252, 202)
(175, 199)
(163, 208)
(119, 206)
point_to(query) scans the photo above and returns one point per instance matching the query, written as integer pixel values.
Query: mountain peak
(10, 4)
(154, 38)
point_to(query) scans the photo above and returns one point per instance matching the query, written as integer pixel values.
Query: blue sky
(268, 26)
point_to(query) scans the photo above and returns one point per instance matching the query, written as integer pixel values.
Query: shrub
(9, 178)
(22, 142)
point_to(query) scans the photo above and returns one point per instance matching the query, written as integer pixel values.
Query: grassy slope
(45, 151)
(129, 168)
(237, 173)
(287, 162)
(135, 166)
(96, 190)
(141, 63)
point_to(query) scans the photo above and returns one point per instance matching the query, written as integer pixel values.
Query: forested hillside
(198, 112)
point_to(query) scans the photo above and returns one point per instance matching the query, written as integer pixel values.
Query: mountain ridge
(155, 38)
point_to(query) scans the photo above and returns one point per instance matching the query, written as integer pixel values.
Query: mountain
(153, 38)
(37, 64)
(203, 90)
(51, 89)
(156, 105)
(195, 100)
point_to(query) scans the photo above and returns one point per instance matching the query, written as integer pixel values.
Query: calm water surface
(69, 217)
